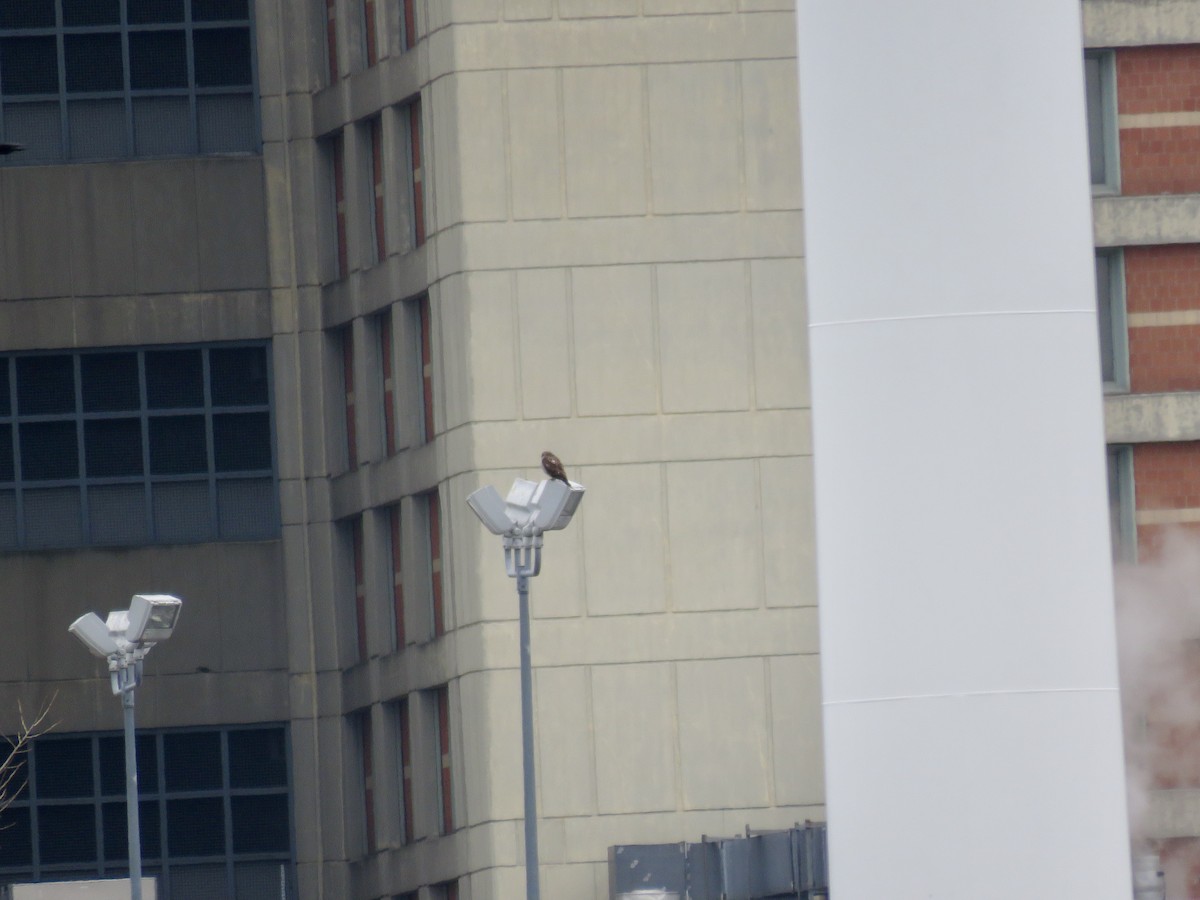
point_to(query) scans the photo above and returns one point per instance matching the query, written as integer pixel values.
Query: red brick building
(1143, 75)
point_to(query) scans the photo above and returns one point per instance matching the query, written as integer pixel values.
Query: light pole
(124, 639)
(532, 507)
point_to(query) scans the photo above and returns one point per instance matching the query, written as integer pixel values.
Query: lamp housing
(152, 618)
(94, 633)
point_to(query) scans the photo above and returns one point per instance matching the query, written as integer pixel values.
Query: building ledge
(1135, 23)
(1149, 220)
(1144, 418)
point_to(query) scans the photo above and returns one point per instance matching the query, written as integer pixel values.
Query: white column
(972, 725)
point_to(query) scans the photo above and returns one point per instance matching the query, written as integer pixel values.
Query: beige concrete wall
(619, 279)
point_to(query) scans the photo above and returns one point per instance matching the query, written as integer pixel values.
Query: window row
(380, 29)
(393, 570)
(376, 189)
(386, 363)
(106, 79)
(214, 808)
(413, 734)
(130, 447)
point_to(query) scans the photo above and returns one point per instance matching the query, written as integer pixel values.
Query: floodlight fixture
(152, 618)
(93, 631)
(530, 509)
(8, 147)
(124, 639)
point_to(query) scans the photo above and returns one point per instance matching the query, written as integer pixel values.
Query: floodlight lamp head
(152, 618)
(492, 512)
(93, 632)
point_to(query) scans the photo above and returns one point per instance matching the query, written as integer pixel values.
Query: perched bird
(553, 467)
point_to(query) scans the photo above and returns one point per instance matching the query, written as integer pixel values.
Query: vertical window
(396, 575)
(403, 744)
(363, 738)
(110, 80)
(373, 174)
(446, 891)
(347, 348)
(1100, 83)
(445, 786)
(425, 355)
(416, 172)
(408, 39)
(339, 205)
(360, 587)
(1110, 314)
(370, 36)
(383, 324)
(1121, 521)
(433, 518)
(331, 39)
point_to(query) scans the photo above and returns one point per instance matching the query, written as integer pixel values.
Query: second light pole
(532, 507)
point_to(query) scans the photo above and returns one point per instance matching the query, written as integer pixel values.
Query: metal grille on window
(119, 79)
(214, 807)
(128, 447)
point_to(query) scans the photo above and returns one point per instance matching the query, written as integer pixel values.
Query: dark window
(174, 378)
(145, 12)
(158, 59)
(27, 14)
(177, 445)
(45, 384)
(65, 769)
(239, 376)
(49, 451)
(91, 12)
(28, 65)
(222, 57)
(170, 445)
(93, 62)
(192, 760)
(219, 10)
(109, 381)
(205, 832)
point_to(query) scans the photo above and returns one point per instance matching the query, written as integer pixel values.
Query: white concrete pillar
(972, 726)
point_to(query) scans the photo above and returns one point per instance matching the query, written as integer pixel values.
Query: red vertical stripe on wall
(418, 172)
(443, 705)
(435, 562)
(377, 202)
(360, 589)
(348, 381)
(369, 25)
(397, 580)
(331, 38)
(426, 367)
(339, 197)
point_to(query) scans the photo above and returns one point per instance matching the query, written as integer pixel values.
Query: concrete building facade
(280, 284)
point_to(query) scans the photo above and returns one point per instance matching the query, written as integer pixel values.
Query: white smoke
(1158, 633)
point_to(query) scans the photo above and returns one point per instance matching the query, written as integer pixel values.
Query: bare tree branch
(12, 761)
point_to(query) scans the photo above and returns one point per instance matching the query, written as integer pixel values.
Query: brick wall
(1159, 156)
(1163, 355)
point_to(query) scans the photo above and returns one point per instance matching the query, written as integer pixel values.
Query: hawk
(553, 467)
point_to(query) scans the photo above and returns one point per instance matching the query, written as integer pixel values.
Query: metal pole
(131, 797)
(532, 889)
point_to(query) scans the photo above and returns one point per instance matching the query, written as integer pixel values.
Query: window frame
(1105, 104)
(89, 488)
(154, 791)
(1122, 508)
(1118, 325)
(128, 95)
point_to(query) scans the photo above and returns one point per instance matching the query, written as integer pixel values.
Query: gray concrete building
(281, 282)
